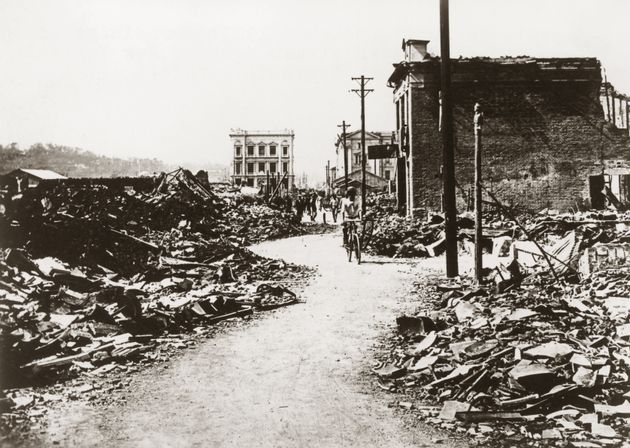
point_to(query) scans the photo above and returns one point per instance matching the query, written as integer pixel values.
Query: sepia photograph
(314, 224)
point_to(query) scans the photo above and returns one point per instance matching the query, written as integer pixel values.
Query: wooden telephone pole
(343, 125)
(448, 162)
(363, 92)
(478, 124)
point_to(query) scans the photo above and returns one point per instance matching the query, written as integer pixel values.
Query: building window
(357, 159)
(250, 150)
(237, 168)
(272, 167)
(237, 150)
(387, 175)
(285, 167)
(250, 168)
(261, 150)
(250, 182)
(261, 167)
(272, 150)
(285, 151)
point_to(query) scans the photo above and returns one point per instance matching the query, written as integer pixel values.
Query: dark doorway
(401, 184)
(596, 189)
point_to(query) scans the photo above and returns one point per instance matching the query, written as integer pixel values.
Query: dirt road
(295, 378)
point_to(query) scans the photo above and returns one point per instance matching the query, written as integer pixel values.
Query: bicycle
(353, 241)
(367, 230)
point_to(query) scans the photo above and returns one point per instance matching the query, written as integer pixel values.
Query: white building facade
(261, 155)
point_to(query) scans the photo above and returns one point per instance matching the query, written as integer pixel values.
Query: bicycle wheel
(349, 248)
(357, 248)
(366, 234)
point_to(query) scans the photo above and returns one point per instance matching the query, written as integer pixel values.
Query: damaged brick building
(547, 142)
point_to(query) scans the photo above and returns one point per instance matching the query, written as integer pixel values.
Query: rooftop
(42, 174)
(368, 135)
(254, 132)
(525, 66)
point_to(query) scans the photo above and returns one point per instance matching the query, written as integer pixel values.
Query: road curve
(295, 378)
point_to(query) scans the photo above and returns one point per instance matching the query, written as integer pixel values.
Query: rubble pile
(541, 352)
(96, 277)
(256, 223)
(52, 315)
(401, 236)
(120, 229)
(385, 202)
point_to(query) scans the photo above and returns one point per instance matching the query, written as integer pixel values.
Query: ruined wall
(544, 133)
(425, 149)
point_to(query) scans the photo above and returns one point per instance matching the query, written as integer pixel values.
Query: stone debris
(538, 356)
(94, 278)
(580, 242)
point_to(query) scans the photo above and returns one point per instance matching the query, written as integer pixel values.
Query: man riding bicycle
(351, 211)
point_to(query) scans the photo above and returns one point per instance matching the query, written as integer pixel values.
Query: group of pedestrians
(305, 202)
(312, 202)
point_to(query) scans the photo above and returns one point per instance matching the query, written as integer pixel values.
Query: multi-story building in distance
(259, 155)
(383, 171)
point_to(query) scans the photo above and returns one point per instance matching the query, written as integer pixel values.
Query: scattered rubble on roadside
(399, 236)
(540, 353)
(94, 279)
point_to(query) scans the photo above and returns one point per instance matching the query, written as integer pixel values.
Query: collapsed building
(547, 142)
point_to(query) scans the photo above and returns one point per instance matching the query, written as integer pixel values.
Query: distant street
(295, 378)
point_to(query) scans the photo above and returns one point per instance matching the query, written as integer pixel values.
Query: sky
(169, 79)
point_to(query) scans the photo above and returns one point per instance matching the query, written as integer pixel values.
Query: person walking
(300, 205)
(313, 205)
(334, 206)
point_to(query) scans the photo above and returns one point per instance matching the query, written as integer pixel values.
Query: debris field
(538, 353)
(96, 277)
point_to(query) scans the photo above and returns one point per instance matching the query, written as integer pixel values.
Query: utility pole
(343, 125)
(448, 162)
(328, 177)
(478, 125)
(363, 92)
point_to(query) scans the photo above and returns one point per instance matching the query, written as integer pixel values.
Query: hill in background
(75, 162)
